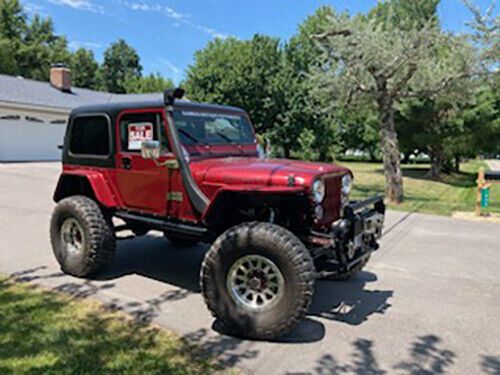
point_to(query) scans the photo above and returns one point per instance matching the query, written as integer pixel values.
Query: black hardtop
(113, 109)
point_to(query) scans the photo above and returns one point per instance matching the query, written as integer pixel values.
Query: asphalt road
(428, 302)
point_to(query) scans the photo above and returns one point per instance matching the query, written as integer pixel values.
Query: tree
(427, 126)
(306, 141)
(405, 14)
(485, 28)
(121, 62)
(481, 123)
(357, 129)
(151, 83)
(239, 73)
(365, 58)
(7, 63)
(12, 20)
(40, 48)
(292, 92)
(59, 52)
(12, 29)
(456, 122)
(84, 69)
(28, 49)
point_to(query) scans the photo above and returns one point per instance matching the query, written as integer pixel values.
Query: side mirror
(150, 149)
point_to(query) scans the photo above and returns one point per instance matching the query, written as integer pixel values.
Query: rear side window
(90, 136)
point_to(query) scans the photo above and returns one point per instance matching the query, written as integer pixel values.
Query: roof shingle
(42, 94)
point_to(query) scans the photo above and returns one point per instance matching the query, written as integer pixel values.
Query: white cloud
(171, 67)
(32, 8)
(174, 71)
(172, 13)
(210, 31)
(76, 44)
(85, 5)
(168, 11)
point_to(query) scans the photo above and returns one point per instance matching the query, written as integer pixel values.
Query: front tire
(82, 240)
(257, 279)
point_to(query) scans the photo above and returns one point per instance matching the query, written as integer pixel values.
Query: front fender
(260, 192)
(85, 182)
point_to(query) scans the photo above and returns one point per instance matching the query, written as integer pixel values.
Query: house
(33, 114)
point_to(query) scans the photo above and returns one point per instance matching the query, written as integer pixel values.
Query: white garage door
(23, 140)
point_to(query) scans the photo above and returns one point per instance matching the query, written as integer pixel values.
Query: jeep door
(142, 184)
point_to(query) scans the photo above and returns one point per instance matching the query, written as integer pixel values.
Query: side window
(90, 136)
(138, 127)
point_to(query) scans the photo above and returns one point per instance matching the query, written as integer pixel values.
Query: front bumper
(352, 238)
(366, 216)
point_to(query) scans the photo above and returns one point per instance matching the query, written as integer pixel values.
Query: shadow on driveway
(154, 257)
(349, 301)
(426, 355)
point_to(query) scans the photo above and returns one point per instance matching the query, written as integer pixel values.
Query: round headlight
(318, 191)
(346, 184)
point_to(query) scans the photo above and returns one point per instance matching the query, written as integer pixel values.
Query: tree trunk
(435, 170)
(457, 164)
(322, 155)
(373, 154)
(437, 161)
(286, 151)
(390, 151)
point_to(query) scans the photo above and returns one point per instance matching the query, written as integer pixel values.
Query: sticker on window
(139, 132)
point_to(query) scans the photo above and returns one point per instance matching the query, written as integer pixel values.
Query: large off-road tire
(245, 263)
(82, 240)
(345, 276)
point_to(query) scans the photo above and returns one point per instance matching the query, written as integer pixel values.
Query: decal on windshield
(210, 114)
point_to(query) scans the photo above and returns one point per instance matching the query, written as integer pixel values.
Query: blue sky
(166, 33)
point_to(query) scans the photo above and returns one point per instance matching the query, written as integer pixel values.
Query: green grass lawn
(455, 192)
(43, 332)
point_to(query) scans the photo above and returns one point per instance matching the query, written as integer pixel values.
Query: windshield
(202, 128)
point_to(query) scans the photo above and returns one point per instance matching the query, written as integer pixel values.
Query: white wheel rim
(255, 283)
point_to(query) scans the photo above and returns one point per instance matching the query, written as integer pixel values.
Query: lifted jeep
(193, 172)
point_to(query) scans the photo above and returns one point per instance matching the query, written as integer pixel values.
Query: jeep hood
(217, 172)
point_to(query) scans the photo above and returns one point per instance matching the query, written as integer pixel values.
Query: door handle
(126, 163)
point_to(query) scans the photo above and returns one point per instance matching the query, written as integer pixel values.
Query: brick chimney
(60, 77)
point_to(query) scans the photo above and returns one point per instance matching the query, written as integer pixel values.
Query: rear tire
(82, 240)
(284, 283)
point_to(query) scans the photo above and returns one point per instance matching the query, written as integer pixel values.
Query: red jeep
(193, 172)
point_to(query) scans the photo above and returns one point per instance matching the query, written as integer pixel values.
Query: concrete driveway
(428, 302)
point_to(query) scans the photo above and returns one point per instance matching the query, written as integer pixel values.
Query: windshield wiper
(225, 137)
(195, 140)
(192, 137)
(232, 142)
